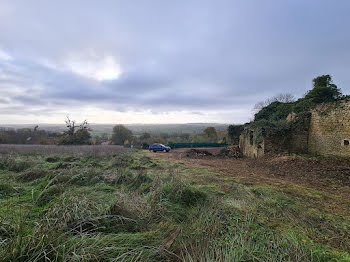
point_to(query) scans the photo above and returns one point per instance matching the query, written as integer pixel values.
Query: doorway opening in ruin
(346, 142)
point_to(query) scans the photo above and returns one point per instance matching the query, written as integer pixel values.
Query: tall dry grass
(54, 149)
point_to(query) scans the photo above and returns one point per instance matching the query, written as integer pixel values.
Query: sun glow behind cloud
(57, 58)
(4, 55)
(94, 66)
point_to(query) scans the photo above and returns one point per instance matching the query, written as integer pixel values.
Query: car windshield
(162, 145)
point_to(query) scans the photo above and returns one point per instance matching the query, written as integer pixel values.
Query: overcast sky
(162, 61)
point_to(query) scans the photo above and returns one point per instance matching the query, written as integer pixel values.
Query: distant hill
(137, 129)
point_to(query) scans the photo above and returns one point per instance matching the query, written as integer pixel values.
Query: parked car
(159, 147)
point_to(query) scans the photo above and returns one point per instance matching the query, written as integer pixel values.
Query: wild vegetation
(124, 206)
(271, 116)
(278, 108)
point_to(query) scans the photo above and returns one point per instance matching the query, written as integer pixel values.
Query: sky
(162, 61)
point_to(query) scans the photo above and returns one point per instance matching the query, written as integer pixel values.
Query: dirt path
(328, 176)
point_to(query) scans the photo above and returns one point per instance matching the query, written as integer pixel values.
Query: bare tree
(74, 134)
(283, 98)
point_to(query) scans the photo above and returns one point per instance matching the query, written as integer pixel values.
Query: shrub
(274, 111)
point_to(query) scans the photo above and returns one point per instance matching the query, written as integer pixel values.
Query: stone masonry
(326, 132)
(329, 132)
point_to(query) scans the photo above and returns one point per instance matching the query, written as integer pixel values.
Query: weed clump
(12, 164)
(141, 181)
(7, 190)
(62, 165)
(70, 159)
(121, 161)
(49, 194)
(87, 177)
(121, 177)
(178, 192)
(6, 230)
(31, 175)
(143, 163)
(52, 159)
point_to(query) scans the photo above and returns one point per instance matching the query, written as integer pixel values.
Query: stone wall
(326, 131)
(329, 132)
(288, 138)
(248, 144)
(299, 135)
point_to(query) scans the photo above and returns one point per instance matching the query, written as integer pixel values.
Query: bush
(274, 111)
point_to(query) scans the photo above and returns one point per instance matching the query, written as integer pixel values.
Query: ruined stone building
(325, 130)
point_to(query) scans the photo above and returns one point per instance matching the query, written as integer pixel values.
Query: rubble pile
(231, 151)
(198, 153)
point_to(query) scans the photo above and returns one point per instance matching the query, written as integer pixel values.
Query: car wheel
(154, 151)
(165, 151)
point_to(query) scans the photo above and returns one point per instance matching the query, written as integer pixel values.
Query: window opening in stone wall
(346, 142)
(251, 138)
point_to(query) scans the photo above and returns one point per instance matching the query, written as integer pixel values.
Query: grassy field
(122, 205)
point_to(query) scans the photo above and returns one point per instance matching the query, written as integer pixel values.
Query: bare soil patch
(328, 175)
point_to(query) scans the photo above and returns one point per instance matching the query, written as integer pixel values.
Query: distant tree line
(123, 136)
(26, 136)
(79, 134)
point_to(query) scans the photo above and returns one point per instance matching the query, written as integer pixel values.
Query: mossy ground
(129, 207)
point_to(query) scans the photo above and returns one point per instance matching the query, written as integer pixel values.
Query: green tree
(145, 136)
(211, 134)
(120, 134)
(323, 91)
(75, 134)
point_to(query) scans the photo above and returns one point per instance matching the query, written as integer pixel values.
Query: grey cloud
(175, 55)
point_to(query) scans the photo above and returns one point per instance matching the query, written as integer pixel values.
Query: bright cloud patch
(93, 66)
(4, 55)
